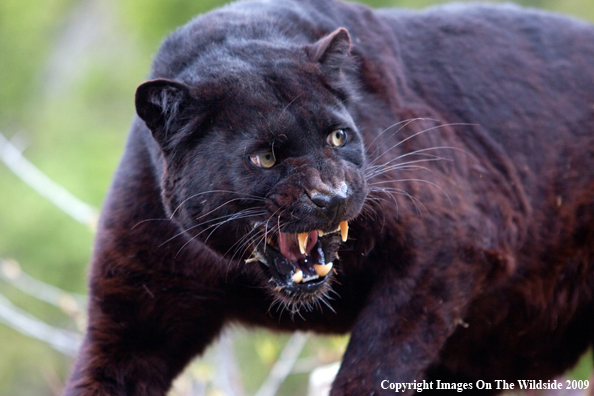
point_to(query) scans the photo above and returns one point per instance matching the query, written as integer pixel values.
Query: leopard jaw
(302, 272)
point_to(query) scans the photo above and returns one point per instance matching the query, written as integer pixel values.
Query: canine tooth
(320, 233)
(303, 241)
(322, 270)
(344, 230)
(298, 276)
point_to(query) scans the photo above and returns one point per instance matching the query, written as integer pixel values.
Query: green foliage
(152, 20)
(26, 33)
(68, 71)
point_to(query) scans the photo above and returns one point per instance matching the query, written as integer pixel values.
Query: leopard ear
(333, 55)
(165, 106)
(333, 51)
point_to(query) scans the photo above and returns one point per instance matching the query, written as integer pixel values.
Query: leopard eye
(336, 138)
(265, 160)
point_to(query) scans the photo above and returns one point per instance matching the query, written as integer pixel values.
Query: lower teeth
(310, 278)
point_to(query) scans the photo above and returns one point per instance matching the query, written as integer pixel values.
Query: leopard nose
(332, 203)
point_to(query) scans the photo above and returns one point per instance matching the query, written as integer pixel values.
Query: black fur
(466, 177)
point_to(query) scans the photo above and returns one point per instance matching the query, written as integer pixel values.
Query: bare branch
(320, 380)
(72, 304)
(283, 365)
(69, 302)
(64, 341)
(227, 378)
(46, 187)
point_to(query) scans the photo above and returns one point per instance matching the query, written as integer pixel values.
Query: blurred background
(68, 72)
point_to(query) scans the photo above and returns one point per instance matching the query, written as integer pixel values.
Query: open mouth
(301, 262)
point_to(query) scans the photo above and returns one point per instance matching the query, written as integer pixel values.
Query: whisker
(418, 152)
(217, 208)
(407, 122)
(390, 191)
(402, 165)
(326, 303)
(417, 134)
(263, 238)
(417, 180)
(379, 199)
(247, 196)
(265, 235)
(436, 148)
(245, 242)
(235, 216)
(256, 212)
(286, 107)
(145, 221)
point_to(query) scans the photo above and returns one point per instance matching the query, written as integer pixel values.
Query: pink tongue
(289, 245)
